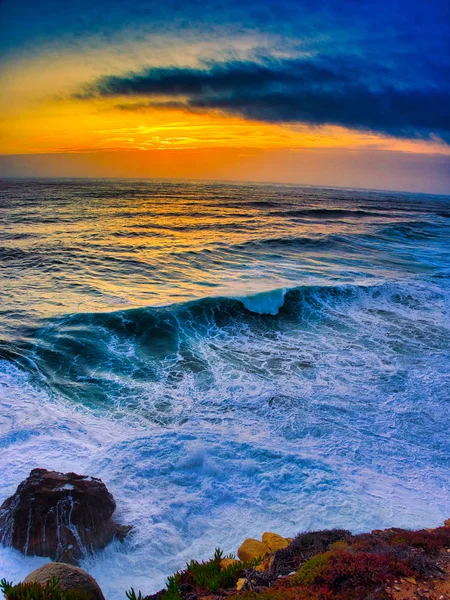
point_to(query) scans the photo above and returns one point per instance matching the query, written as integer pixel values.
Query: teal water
(229, 359)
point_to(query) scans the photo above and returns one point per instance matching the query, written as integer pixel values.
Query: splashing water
(228, 359)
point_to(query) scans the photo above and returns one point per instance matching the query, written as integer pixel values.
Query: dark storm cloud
(387, 65)
(342, 90)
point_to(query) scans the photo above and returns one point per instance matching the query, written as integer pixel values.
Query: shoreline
(333, 564)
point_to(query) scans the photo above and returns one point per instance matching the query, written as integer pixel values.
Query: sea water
(227, 358)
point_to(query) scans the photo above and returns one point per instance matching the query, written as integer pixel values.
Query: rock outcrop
(251, 549)
(69, 578)
(274, 541)
(227, 562)
(63, 516)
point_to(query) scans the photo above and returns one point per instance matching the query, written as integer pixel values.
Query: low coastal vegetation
(211, 576)
(323, 565)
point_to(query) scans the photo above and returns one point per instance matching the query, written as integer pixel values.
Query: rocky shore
(390, 564)
(68, 515)
(64, 516)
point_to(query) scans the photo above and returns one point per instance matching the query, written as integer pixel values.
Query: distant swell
(290, 241)
(327, 213)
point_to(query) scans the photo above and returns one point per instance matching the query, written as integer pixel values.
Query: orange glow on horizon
(63, 136)
(78, 126)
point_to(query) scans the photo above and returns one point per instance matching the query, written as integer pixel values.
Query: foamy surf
(289, 375)
(190, 488)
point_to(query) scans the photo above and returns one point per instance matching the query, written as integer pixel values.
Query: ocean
(229, 358)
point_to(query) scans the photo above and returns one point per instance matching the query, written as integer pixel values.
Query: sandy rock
(265, 564)
(63, 516)
(227, 562)
(240, 584)
(274, 541)
(70, 578)
(251, 549)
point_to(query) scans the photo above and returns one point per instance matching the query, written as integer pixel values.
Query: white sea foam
(339, 422)
(210, 421)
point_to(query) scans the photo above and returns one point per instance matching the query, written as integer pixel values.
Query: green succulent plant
(36, 591)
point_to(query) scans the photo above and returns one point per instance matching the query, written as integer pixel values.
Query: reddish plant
(430, 541)
(346, 574)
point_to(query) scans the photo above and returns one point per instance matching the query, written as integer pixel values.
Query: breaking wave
(228, 359)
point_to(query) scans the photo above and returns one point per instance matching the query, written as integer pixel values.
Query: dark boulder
(63, 516)
(69, 578)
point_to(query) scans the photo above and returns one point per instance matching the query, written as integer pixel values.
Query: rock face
(70, 578)
(227, 562)
(274, 541)
(63, 516)
(250, 549)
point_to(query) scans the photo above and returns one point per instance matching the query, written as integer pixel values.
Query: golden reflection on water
(120, 246)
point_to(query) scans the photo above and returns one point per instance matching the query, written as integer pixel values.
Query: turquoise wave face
(229, 359)
(109, 360)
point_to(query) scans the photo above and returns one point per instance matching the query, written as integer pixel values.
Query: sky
(336, 92)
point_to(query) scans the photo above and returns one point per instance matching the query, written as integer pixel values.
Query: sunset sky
(334, 92)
